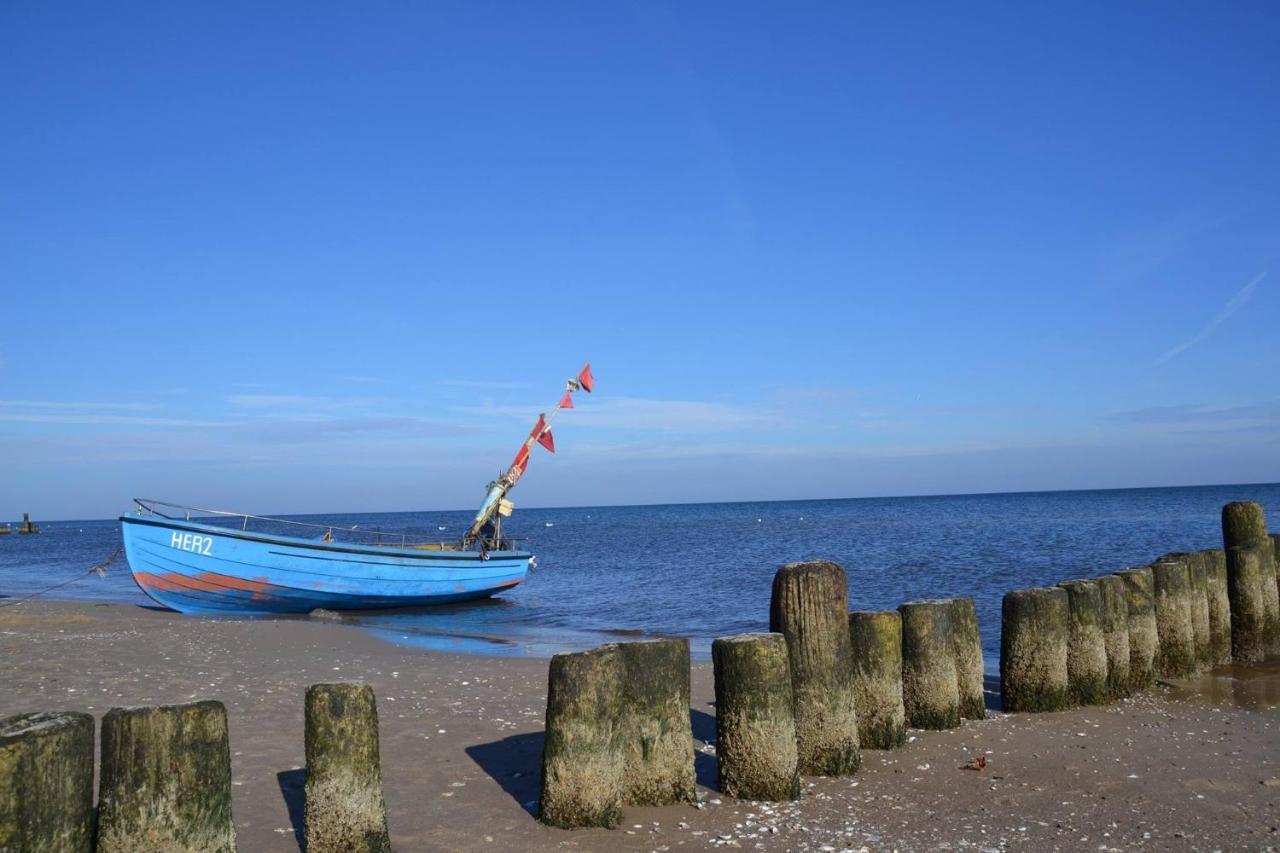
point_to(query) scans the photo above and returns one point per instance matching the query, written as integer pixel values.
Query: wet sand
(1192, 767)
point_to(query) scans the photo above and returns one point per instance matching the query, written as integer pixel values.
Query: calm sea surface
(704, 570)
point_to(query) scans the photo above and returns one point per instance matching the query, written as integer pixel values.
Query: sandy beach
(1190, 767)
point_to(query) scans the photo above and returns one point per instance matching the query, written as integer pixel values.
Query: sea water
(704, 570)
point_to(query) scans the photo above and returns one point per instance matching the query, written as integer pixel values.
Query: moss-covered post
(1139, 593)
(1115, 633)
(46, 783)
(1034, 634)
(344, 811)
(1215, 563)
(657, 737)
(1087, 644)
(755, 721)
(810, 607)
(969, 666)
(876, 636)
(1244, 525)
(1171, 582)
(582, 761)
(930, 686)
(1248, 615)
(165, 780)
(1199, 595)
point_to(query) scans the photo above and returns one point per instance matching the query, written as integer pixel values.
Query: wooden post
(657, 737)
(810, 608)
(1034, 635)
(1199, 597)
(582, 761)
(1115, 633)
(1087, 645)
(344, 808)
(876, 637)
(1139, 593)
(1215, 563)
(46, 783)
(930, 686)
(1171, 579)
(969, 666)
(165, 780)
(1248, 613)
(1244, 525)
(755, 722)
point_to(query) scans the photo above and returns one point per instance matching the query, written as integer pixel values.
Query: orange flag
(566, 402)
(585, 379)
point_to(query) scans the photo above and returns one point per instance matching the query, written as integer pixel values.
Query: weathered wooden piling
(1034, 634)
(1248, 614)
(344, 811)
(969, 665)
(27, 525)
(1144, 643)
(1115, 634)
(582, 760)
(876, 638)
(1086, 643)
(46, 783)
(1244, 525)
(165, 780)
(1171, 582)
(1215, 563)
(810, 608)
(657, 737)
(930, 686)
(1199, 597)
(755, 719)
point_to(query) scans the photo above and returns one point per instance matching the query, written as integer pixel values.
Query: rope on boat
(100, 569)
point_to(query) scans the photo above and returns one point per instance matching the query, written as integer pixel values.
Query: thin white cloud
(98, 419)
(69, 405)
(1234, 304)
(646, 415)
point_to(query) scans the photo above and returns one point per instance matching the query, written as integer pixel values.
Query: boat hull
(201, 568)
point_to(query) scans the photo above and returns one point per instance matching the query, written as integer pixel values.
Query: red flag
(521, 461)
(566, 402)
(585, 379)
(547, 441)
(538, 427)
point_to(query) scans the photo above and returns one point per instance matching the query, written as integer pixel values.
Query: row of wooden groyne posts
(803, 699)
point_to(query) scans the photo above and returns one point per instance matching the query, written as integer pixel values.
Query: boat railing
(329, 532)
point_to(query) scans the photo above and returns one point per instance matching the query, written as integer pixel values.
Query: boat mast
(495, 504)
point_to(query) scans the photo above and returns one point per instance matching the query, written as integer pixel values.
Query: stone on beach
(1144, 643)
(1215, 564)
(969, 665)
(1086, 643)
(657, 737)
(809, 607)
(876, 638)
(1244, 525)
(1034, 633)
(1171, 583)
(582, 760)
(1115, 633)
(46, 783)
(755, 722)
(166, 780)
(344, 809)
(930, 686)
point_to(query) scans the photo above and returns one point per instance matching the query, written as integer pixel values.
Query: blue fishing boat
(199, 560)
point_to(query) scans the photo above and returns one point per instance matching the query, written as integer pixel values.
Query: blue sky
(320, 257)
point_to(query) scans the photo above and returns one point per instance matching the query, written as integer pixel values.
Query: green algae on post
(1244, 525)
(657, 737)
(876, 637)
(809, 607)
(344, 810)
(166, 780)
(1034, 633)
(1199, 596)
(1115, 633)
(755, 721)
(1139, 593)
(1215, 564)
(1248, 614)
(46, 783)
(582, 761)
(1171, 581)
(1086, 643)
(968, 651)
(930, 687)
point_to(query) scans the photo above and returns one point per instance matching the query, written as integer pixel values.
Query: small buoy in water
(759, 520)
(442, 527)
(548, 524)
(802, 518)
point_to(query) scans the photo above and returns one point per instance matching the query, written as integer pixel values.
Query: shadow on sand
(292, 788)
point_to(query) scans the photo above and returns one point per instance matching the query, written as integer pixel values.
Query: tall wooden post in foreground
(810, 607)
(1244, 526)
(876, 636)
(930, 687)
(656, 733)
(344, 807)
(165, 780)
(1139, 593)
(1034, 633)
(46, 783)
(755, 721)
(582, 761)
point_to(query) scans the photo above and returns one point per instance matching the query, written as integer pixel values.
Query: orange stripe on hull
(205, 582)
